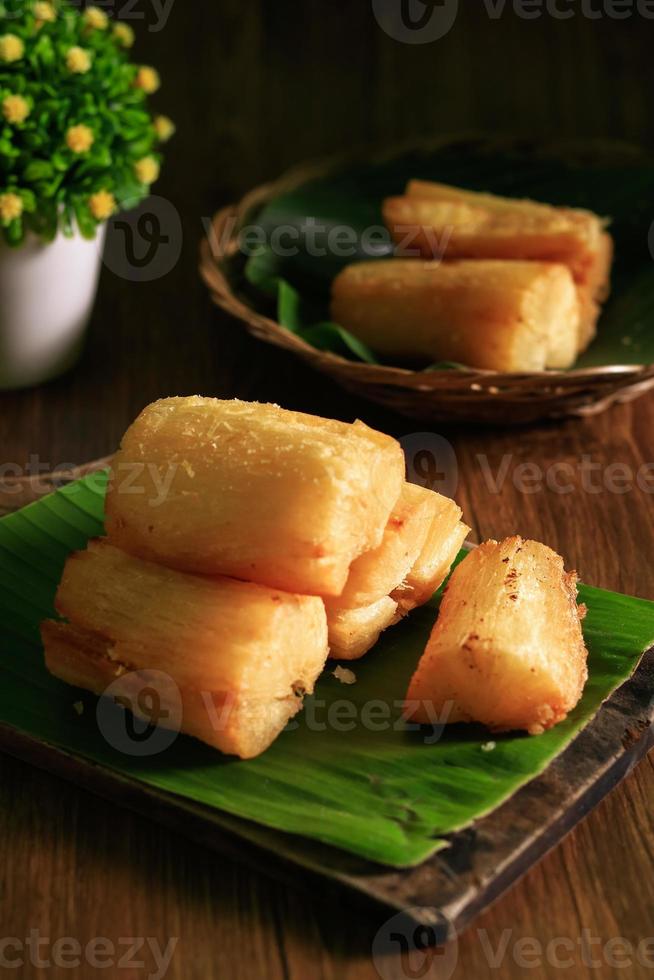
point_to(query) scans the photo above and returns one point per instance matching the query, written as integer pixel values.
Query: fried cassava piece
(437, 220)
(252, 491)
(377, 572)
(472, 225)
(507, 649)
(421, 541)
(502, 316)
(239, 655)
(353, 632)
(444, 539)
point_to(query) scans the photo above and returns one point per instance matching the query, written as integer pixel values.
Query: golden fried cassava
(507, 649)
(352, 632)
(377, 572)
(473, 225)
(502, 316)
(435, 220)
(252, 491)
(444, 540)
(250, 647)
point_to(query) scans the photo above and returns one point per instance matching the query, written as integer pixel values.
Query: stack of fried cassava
(246, 543)
(496, 283)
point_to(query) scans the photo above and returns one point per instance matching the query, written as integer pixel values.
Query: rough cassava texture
(507, 649)
(253, 491)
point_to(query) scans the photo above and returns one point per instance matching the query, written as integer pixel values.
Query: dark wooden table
(255, 87)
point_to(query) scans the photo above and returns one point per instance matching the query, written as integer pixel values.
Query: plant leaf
(374, 789)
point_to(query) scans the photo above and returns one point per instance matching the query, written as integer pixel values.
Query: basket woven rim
(220, 247)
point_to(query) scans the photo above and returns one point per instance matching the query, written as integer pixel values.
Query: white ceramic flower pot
(46, 297)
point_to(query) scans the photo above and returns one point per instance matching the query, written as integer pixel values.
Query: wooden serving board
(448, 890)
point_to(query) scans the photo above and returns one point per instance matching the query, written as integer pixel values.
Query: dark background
(259, 86)
(255, 87)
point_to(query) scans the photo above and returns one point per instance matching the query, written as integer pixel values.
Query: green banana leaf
(349, 772)
(612, 181)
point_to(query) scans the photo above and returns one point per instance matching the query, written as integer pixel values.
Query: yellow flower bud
(95, 19)
(15, 108)
(78, 61)
(11, 48)
(44, 13)
(124, 34)
(164, 128)
(147, 79)
(146, 170)
(80, 138)
(11, 207)
(102, 205)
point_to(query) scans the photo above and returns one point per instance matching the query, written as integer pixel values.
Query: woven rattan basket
(470, 395)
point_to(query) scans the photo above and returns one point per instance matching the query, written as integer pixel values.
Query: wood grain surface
(254, 88)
